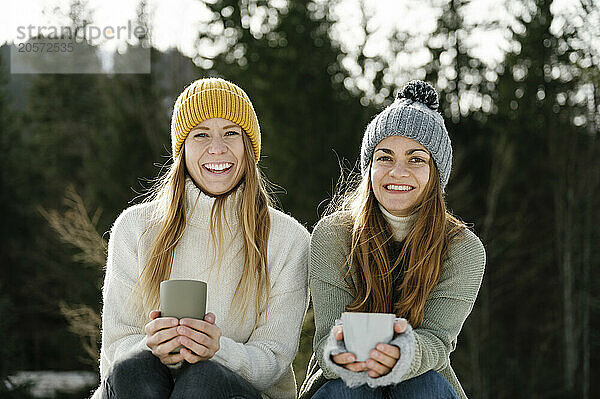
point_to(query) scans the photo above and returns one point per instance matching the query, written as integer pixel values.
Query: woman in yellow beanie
(208, 218)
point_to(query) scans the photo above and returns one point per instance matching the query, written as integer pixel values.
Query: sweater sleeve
(448, 305)
(329, 291)
(121, 327)
(272, 346)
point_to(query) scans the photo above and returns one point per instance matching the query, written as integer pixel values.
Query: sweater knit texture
(427, 347)
(261, 355)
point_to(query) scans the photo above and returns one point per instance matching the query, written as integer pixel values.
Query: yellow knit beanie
(213, 98)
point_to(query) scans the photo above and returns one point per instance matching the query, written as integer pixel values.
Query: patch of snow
(46, 383)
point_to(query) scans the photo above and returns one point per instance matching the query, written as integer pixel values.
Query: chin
(214, 192)
(397, 209)
(222, 189)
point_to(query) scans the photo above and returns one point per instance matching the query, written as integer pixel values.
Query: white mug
(363, 331)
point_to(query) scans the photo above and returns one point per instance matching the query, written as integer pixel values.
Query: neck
(400, 225)
(198, 204)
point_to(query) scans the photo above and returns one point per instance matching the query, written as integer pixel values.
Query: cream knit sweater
(261, 355)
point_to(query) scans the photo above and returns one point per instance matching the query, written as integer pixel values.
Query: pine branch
(76, 227)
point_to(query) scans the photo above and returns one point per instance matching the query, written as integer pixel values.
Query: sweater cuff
(226, 355)
(404, 341)
(333, 347)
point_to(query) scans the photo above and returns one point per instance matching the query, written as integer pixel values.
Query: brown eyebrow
(207, 128)
(414, 150)
(388, 151)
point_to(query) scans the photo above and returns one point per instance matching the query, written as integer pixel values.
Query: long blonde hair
(422, 253)
(170, 213)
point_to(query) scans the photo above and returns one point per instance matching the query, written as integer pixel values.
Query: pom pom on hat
(423, 92)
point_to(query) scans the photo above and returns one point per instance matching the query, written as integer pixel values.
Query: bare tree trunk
(590, 187)
(586, 292)
(502, 166)
(570, 325)
(562, 147)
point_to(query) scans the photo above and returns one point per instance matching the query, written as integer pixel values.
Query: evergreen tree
(547, 192)
(10, 228)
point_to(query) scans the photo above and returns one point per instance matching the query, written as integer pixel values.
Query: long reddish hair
(371, 262)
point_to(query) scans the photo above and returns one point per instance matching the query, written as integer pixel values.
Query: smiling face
(214, 155)
(399, 173)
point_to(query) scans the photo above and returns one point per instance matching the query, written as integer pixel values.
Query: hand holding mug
(185, 300)
(162, 337)
(384, 357)
(200, 338)
(346, 359)
(366, 331)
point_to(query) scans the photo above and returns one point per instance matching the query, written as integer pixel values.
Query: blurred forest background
(78, 149)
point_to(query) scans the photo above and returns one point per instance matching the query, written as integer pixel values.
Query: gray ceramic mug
(363, 331)
(183, 298)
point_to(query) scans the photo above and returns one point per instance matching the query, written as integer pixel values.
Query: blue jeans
(430, 385)
(142, 375)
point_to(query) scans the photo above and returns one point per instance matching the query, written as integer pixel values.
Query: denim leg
(337, 389)
(430, 385)
(209, 379)
(140, 375)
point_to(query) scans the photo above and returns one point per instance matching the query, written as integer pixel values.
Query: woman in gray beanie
(391, 246)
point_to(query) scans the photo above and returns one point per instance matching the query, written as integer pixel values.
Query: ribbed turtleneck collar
(198, 204)
(400, 225)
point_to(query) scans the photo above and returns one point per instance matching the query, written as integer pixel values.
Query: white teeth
(396, 187)
(218, 166)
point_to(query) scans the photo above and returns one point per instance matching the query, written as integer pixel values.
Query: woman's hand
(346, 359)
(384, 357)
(200, 338)
(162, 337)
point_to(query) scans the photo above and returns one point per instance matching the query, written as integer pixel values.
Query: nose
(217, 146)
(399, 170)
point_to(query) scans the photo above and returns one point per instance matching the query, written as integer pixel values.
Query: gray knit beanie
(414, 115)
